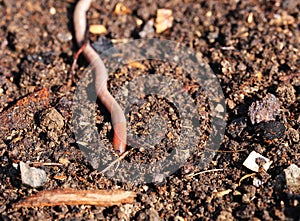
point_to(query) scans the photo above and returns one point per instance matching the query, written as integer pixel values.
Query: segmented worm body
(101, 75)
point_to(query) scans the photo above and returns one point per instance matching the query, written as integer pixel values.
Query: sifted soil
(251, 46)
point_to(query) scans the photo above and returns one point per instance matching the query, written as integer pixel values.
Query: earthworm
(101, 75)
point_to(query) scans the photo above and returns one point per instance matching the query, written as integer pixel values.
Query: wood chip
(98, 29)
(136, 64)
(164, 20)
(77, 197)
(205, 171)
(121, 9)
(62, 178)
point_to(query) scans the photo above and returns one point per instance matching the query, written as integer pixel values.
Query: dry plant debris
(77, 197)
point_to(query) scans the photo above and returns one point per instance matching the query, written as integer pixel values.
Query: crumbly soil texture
(186, 147)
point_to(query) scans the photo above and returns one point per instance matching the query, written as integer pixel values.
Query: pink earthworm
(101, 75)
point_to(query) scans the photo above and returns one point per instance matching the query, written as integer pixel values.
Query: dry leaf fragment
(121, 9)
(98, 29)
(77, 197)
(164, 20)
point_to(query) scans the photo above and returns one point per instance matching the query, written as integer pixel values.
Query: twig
(205, 171)
(245, 177)
(115, 161)
(39, 164)
(77, 197)
(224, 151)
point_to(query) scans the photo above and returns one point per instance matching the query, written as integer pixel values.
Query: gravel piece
(51, 119)
(148, 30)
(270, 130)
(64, 37)
(292, 176)
(32, 176)
(255, 160)
(164, 20)
(265, 110)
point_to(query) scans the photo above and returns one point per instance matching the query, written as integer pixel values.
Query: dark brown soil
(251, 46)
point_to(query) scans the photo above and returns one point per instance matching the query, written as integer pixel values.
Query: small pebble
(250, 18)
(164, 20)
(98, 29)
(64, 37)
(121, 9)
(292, 176)
(148, 30)
(52, 11)
(252, 162)
(257, 182)
(265, 110)
(220, 108)
(242, 67)
(286, 94)
(32, 176)
(270, 130)
(138, 21)
(51, 119)
(158, 178)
